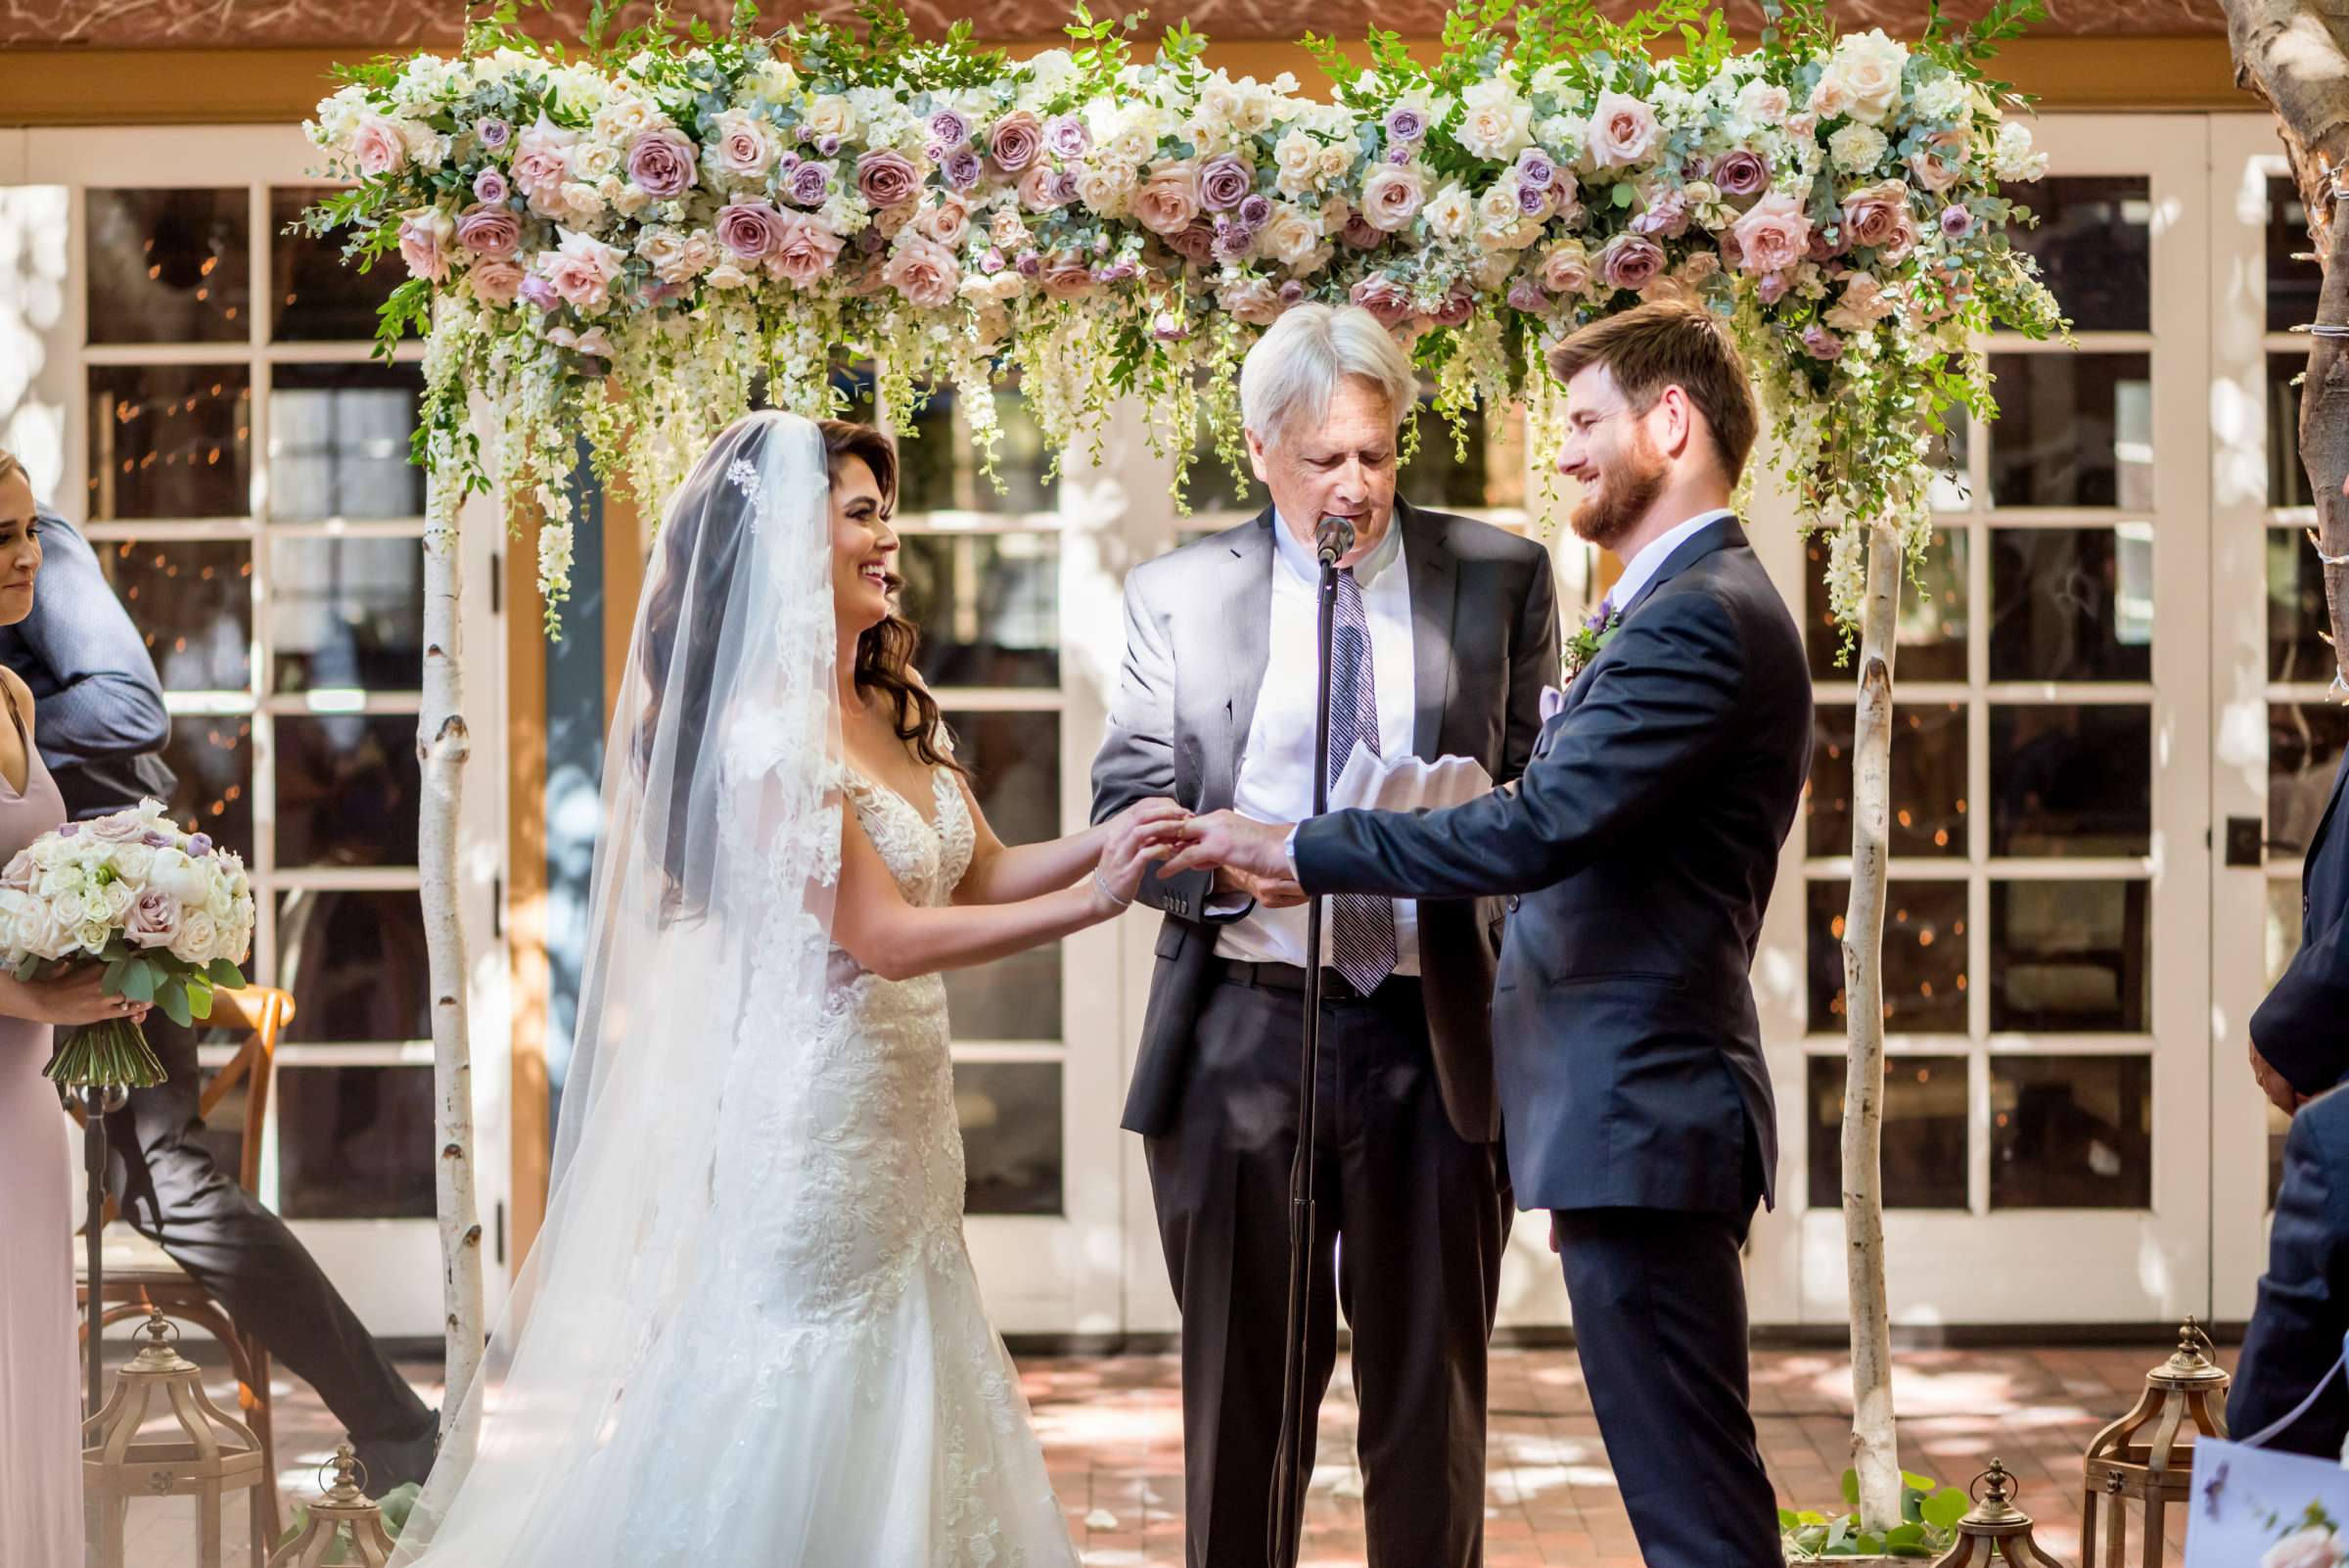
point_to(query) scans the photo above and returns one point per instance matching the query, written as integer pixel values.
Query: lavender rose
(1535, 169)
(1630, 262)
(490, 188)
(810, 183)
(1526, 295)
(1067, 137)
(1256, 212)
(1821, 344)
(1666, 214)
(1015, 141)
(493, 132)
(750, 230)
(1222, 181)
(963, 168)
(1878, 218)
(1955, 222)
(1195, 243)
(886, 179)
(1404, 125)
(1741, 173)
(661, 164)
(1040, 188)
(949, 129)
(491, 231)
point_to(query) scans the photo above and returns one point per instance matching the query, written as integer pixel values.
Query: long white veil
(710, 931)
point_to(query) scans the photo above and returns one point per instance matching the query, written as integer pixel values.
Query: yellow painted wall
(216, 86)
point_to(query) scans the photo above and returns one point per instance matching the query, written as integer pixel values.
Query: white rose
(1297, 156)
(1497, 124)
(1765, 103)
(71, 907)
(777, 81)
(726, 275)
(583, 202)
(134, 861)
(1451, 214)
(624, 119)
(1335, 159)
(593, 161)
(217, 904)
(1866, 72)
(199, 938)
(830, 116)
(1290, 237)
(1105, 184)
(120, 897)
(1857, 148)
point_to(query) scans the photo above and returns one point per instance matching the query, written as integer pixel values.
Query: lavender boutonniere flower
(1595, 632)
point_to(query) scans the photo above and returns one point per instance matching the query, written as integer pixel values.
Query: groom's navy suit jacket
(1638, 853)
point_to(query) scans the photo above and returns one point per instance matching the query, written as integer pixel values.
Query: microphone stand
(1331, 539)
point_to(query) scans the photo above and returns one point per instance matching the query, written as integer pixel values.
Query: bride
(750, 1330)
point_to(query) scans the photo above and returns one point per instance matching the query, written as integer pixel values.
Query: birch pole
(1875, 1452)
(442, 745)
(2295, 54)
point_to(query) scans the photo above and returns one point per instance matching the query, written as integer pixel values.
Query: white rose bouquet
(168, 913)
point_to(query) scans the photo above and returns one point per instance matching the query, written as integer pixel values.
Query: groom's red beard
(1627, 487)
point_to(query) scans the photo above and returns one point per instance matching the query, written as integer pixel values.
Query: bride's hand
(1144, 832)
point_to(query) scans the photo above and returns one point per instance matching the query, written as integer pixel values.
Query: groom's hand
(1270, 893)
(1227, 838)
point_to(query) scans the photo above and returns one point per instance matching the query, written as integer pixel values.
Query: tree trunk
(442, 745)
(1875, 1454)
(2295, 54)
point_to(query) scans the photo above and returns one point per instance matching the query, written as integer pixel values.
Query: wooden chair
(141, 1277)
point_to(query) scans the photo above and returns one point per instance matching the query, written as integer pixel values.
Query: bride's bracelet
(1107, 892)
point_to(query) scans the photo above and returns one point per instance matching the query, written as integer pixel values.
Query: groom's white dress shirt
(1641, 567)
(1275, 781)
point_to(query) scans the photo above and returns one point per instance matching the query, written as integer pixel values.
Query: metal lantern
(343, 1527)
(2139, 1456)
(209, 1455)
(1994, 1530)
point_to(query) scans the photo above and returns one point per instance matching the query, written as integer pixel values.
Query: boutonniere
(1594, 634)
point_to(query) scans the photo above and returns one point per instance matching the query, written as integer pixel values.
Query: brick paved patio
(1111, 1432)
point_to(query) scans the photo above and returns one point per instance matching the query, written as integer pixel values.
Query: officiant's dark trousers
(1659, 1328)
(1412, 1219)
(169, 1187)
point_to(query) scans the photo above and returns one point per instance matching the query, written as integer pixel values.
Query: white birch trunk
(443, 744)
(1875, 1451)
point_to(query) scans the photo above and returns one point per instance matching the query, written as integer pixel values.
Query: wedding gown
(750, 1330)
(834, 1394)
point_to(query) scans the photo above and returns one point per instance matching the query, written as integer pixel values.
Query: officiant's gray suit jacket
(1484, 641)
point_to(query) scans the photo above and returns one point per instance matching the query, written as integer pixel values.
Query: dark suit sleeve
(2298, 1026)
(1532, 664)
(2295, 1332)
(109, 703)
(1661, 700)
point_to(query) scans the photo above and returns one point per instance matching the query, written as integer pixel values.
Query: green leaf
(226, 975)
(29, 966)
(172, 998)
(1622, 195)
(138, 980)
(200, 999)
(1851, 1488)
(1921, 1483)
(1946, 1507)
(1908, 1535)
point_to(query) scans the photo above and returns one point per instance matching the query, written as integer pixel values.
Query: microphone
(1333, 536)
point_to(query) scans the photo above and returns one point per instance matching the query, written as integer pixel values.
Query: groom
(1447, 631)
(1637, 854)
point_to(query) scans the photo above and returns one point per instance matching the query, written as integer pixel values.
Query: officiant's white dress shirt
(1276, 763)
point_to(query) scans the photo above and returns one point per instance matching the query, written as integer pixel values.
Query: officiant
(1446, 636)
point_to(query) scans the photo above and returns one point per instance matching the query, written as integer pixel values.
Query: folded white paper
(1406, 783)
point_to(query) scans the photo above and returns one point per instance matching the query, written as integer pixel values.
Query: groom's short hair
(1289, 376)
(1665, 343)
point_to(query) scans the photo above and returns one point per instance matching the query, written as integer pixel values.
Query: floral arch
(624, 242)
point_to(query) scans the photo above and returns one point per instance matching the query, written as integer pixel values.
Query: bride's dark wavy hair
(702, 554)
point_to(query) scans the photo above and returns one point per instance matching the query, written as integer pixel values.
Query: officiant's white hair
(1288, 377)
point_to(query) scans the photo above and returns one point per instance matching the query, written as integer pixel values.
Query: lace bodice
(926, 855)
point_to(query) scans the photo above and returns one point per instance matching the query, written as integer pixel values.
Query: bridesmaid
(40, 1405)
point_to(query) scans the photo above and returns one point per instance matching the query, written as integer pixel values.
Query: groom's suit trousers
(1660, 1329)
(1411, 1222)
(172, 1191)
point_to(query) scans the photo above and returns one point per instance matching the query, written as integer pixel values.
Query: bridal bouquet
(169, 914)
